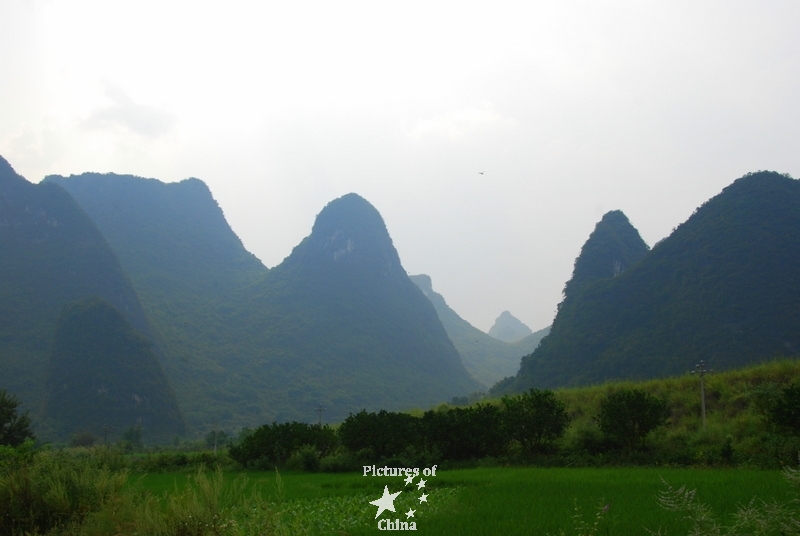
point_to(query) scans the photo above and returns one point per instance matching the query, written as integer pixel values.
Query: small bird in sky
(480, 173)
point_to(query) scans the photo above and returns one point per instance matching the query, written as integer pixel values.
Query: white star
(420, 484)
(386, 502)
(422, 499)
(409, 479)
(410, 513)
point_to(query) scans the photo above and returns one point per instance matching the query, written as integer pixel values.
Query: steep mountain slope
(191, 272)
(486, 358)
(103, 373)
(50, 254)
(345, 326)
(508, 328)
(723, 288)
(613, 247)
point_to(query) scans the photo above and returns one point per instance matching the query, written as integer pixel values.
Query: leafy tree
(274, 443)
(628, 416)
(785, 412)
(217, 438)
(132, 438)
(14, 428)
(385, 433)
(463, 433)
(535, 419)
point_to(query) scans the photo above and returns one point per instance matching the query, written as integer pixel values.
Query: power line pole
(319, 410)
(701, 370)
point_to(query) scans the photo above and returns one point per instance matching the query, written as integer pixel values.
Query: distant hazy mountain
(102, 372)
(51, 253)
(508, 328)
(486, 358)
(338, 323)
(722, 288)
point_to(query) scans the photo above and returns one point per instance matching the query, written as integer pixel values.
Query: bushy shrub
(534, 419)
(343, 461)
(270, 446)
(54, 489)
(785, 411)
(629, 415)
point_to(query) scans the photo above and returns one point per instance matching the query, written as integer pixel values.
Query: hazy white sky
(570, 108)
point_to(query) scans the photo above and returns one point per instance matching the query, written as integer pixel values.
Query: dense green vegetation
(486, 358)
(103, 373)
(15, 427)
(86, 491)
(613, 247)
(721, 288)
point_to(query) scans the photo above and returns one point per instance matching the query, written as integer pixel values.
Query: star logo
(410, 513)
(422, 499)
(386, 502)
(409, 479)
(420, 484)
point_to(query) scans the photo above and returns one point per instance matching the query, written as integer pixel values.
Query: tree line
(529, 424)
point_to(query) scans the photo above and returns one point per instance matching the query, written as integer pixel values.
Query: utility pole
(701, 370)
(319, 410)
(215, 438)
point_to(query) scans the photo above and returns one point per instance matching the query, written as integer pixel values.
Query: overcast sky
(570, 109)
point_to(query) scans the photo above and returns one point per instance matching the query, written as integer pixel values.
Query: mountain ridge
(720, 288)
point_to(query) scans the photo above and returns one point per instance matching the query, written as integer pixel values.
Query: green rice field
(504, 501)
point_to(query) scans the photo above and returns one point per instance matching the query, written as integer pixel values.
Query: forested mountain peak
(613, 247)
(7, 173)
(722, 288)
(350, 232)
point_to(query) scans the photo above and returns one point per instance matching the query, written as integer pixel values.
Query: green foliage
(785, 411)
(628, 416)
(463, 433)
(132, 439)
(383, 434)
(15, 428)
(217, 439)
(272, 445)
(535, 419)
(54, 490)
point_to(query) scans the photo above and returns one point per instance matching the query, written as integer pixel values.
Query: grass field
(507, 501)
